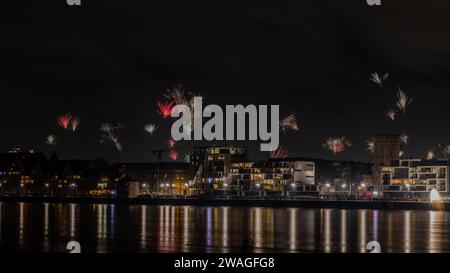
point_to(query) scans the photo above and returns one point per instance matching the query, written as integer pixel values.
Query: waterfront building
(212, 167)
(415, 178)
(386, 149)
(283, 177)
(164, 178)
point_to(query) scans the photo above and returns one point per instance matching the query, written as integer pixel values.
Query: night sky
(109, 61)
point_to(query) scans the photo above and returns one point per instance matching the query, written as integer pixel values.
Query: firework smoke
(110, 134)
(336, 145)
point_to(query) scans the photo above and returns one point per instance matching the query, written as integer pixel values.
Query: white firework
(151, 128)
(403, 101)
(51, 140)
(374, 77)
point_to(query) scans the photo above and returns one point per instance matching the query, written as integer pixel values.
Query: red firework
(165, 109)
(279, 153)
(171, 143)
(173, 155)
(64, 120)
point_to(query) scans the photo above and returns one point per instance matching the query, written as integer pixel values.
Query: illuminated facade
(286, 177)
(415, 178)
(166, 178)
(213, 166)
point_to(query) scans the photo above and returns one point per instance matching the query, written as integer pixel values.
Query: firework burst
(290, 122)
(279, 153)
(171, 143)
(165, 109)
(370, 146)
(177, 94)
(74, 123)
(391, 113)
(430, 155)
(110, 134)
(404, 139)
(151, 128)
(173, 155)
(51, 140)
(336, 145)
(403, 101)
(374, 77)
(64, 120)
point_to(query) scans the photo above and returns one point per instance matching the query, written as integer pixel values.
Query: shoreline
(215, 202)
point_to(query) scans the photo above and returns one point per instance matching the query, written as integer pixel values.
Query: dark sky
(109, 61)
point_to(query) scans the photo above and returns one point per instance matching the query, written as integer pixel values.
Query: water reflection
(116, 228)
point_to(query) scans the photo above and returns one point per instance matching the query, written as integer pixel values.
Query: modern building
(386, 149)
(212, 166)
(284, 177)
(415, 178)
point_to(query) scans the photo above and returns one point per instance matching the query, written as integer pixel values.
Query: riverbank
(341, 204)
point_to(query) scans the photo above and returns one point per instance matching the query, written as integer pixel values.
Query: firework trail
(430, 155)
(374, 77)
(171, 143)
(404, 138)
(336, 145)
(279, 153)
(403, 101)
(51, 140)
(370, 146)
(165, 109)
(64, 120)
(151, 128)
(391, 113)
(173, 155)
(74, 123)
(110, 134)
(290, 122)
